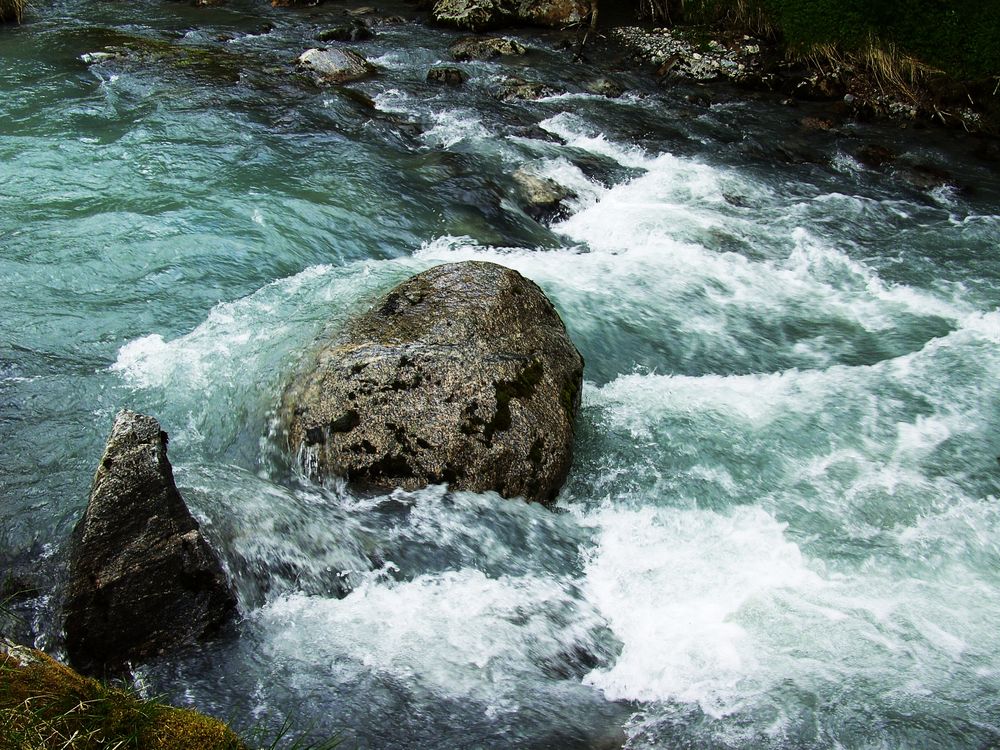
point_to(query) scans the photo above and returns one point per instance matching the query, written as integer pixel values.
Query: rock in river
(142, 577)
(462, 374)
(542, 198)
(334, 65)
(446, 75)
(485, 48)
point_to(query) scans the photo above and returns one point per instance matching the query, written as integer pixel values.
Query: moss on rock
(45, 704)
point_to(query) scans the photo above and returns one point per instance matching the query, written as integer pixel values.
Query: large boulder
(481, 15)
(473, 15)
(463, 374)
(143, 579)
(512, 89)
(555, 13)
(334, 65)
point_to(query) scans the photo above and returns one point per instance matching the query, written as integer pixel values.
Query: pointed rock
(143, 579)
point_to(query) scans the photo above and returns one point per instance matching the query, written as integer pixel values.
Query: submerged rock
(485, 48)
(604, 87)
(332, 66)
(462, 374)
(446, 75)
(876, 156)
(142, 577)
(541, 197)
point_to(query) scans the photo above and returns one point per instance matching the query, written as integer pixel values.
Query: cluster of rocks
(463, 374)
(687, 53)
(677, 53)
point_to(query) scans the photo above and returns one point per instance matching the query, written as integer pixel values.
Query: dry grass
(12, 11)
(746, 15)
(896, 75)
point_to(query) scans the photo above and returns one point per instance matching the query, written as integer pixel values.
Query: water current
(782, 526)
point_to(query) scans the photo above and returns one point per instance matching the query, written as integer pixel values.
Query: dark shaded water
(781, 529)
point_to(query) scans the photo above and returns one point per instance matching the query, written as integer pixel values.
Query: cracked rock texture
(143, 579)
(463, 374)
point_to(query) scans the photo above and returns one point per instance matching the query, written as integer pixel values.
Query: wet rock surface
(485, 48)
(446, 75)
(542, 198)
(334, 65)
(463, 374)
(513, 88)
(142, 577)
(354, 30)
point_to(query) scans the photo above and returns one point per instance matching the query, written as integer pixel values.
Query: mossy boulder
(472, 15)
(541, 197)
(46, 704)
(143, 579)
(463, 374)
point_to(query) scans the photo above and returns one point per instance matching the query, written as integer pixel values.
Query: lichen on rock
(463, 374)
(46, 704)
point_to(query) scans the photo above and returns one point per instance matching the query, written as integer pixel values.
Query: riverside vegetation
(12, 11)
(937, 58)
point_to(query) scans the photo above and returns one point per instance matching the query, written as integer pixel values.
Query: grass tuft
(45, 705)
(12, 11)
(287, 738)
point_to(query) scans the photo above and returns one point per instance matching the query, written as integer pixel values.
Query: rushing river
(782, 527)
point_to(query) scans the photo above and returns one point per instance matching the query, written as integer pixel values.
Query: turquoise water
(781, 529)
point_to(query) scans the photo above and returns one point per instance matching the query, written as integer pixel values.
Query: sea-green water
(782, 527)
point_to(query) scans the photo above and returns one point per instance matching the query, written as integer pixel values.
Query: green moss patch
(44, 704)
